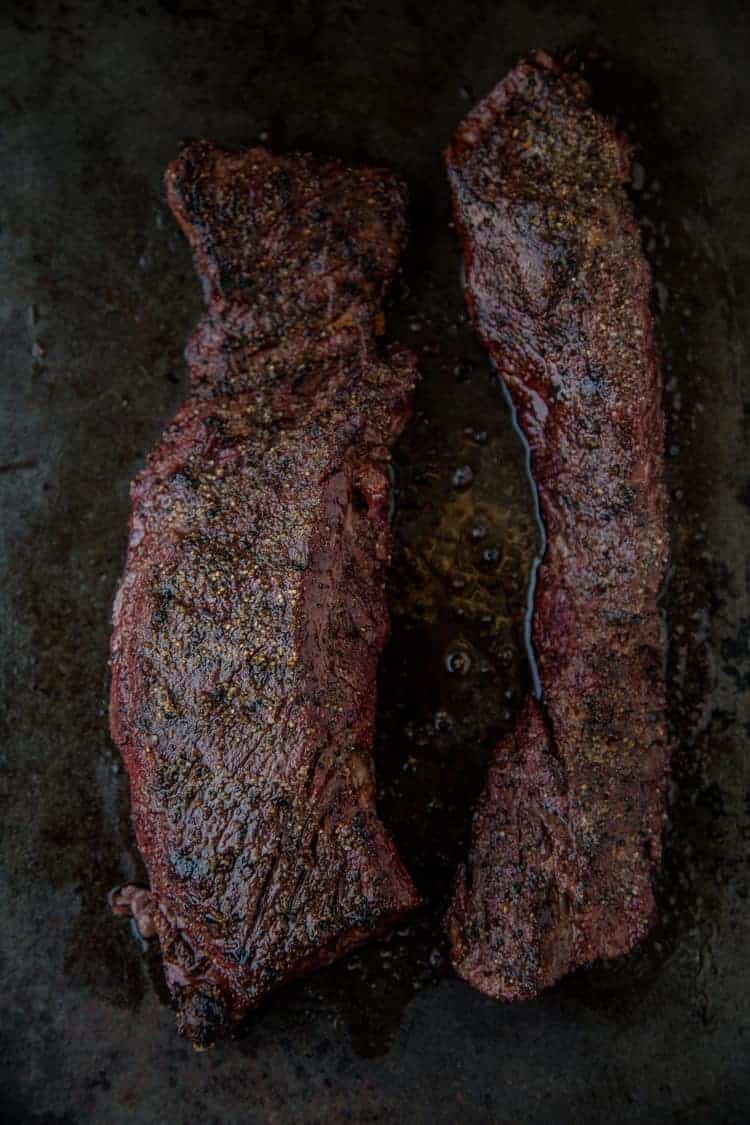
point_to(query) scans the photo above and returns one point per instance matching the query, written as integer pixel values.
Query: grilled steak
(567, 834)
(249, 623)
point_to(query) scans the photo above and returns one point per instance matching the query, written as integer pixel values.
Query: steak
(250, 620)
(567, 836)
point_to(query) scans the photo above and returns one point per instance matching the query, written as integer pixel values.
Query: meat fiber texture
(249, 623)
(566, 839)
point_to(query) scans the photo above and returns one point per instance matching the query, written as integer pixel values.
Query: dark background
(97, 297)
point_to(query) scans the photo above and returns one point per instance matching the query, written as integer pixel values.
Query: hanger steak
(567, 836)
(249, 623)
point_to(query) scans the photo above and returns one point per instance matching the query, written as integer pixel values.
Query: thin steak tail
(522, 866)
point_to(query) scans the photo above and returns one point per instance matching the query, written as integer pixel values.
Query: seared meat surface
(567, 835)
(251, 617)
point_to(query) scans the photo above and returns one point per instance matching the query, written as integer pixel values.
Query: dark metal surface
(98, 297)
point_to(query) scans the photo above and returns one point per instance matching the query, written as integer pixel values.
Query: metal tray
(98, 298)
